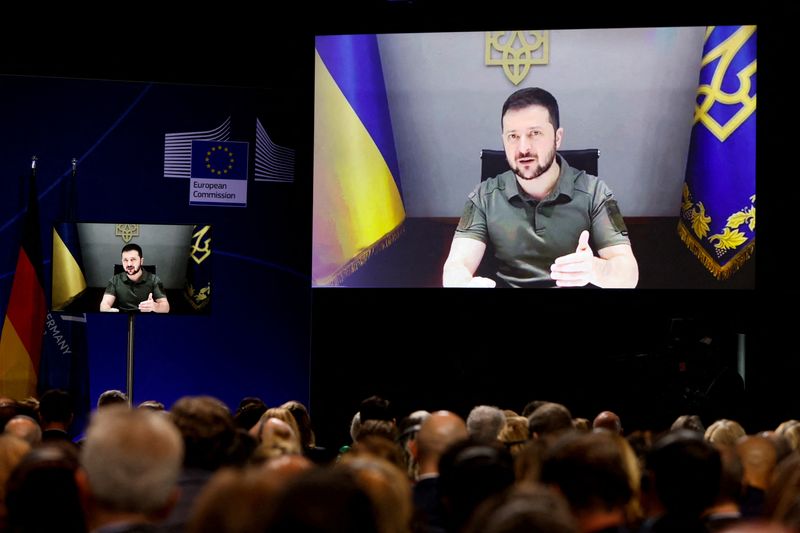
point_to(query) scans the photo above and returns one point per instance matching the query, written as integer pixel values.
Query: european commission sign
(218, 169)
(218, 173)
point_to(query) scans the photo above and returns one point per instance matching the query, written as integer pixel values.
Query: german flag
(21, 338)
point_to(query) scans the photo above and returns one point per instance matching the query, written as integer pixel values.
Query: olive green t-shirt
(130, 294)
(528, 234)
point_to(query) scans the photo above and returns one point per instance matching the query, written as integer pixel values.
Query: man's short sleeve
(158, 288)
(472, 224)
(111, 288)
(608, 226)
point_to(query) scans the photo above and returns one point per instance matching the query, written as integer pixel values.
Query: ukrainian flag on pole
(68, 279)
(65, 351)
(718, 210)
(358, 206)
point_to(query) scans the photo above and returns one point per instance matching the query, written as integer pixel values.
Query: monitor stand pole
(131, 320)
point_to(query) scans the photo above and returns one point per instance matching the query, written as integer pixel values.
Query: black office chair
(494, 162)
(150, 268)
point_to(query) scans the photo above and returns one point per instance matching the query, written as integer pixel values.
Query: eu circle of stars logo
(219, 160)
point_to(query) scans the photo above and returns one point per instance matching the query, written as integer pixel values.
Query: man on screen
(135, 289)
(541, 214)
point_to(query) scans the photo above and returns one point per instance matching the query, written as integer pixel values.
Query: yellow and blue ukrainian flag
(718, 208)
(68, 278)
(358, 205)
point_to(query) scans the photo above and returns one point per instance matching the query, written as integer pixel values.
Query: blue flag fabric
(65, 363)
(718, 212)
(219, 160)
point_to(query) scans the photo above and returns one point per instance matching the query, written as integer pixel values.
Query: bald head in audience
(608, 420)
(758, 458)
(436, 434)
(26, 428)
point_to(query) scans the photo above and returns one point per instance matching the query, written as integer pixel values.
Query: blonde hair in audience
(725, 432)
(281, 413)
(277, 439)
(514, 434)
(790, 430)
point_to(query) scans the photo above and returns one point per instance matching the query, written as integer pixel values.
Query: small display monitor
(162, 268)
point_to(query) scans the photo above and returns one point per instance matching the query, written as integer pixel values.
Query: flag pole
(129, 385)
(741, 352)
(71, 195)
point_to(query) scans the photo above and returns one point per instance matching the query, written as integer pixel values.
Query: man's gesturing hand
(577, 269)
(485, 283)
(148, 305)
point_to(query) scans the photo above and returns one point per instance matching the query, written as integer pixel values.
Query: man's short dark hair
(589, 469)
(376, 408)
(133, 246)
(55, 405)
(207, 428)
(470, 473)
(531, 406)
(686, 469)
(549, 418)
(532, 96)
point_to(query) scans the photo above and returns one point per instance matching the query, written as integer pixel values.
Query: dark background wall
(255, 341)
(421, 348)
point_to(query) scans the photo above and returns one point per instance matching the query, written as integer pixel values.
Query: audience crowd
(198, 467)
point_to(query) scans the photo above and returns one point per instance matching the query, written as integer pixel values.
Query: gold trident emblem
(126, 231)
(712, 93)
(514, 51)
(201, 248)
